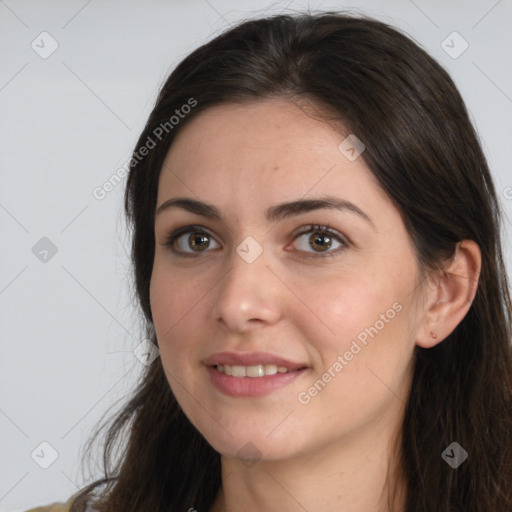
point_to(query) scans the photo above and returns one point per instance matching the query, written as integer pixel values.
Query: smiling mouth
(254, 371)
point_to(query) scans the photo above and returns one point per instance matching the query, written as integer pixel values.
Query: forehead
(272, 128)
(263, 151)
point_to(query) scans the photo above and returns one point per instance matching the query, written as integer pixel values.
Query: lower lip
(251, 386)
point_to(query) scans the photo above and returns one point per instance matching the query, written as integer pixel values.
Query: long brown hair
(423, 149)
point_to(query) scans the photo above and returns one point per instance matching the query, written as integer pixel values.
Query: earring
(433, 334)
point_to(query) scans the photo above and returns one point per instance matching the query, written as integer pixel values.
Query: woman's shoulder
(61, 507)
(54, 507)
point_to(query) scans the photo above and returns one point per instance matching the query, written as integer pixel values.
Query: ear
(451, 295)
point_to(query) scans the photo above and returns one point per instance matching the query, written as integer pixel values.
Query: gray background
(67, 123)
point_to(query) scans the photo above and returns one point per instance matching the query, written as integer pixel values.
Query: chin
(249, 445)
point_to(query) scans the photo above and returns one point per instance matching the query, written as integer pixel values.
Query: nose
(249, 296)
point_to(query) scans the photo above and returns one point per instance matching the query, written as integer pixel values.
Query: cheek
(171, 308)
(359, 323)
(338, 309)
(362, 370)
(364, 348)
(171, 296)
(177, 306)
(169, 301)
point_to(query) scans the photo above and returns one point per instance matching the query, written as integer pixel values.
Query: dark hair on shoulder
(423, 150)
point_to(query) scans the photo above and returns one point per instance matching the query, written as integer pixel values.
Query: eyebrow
(274, 213)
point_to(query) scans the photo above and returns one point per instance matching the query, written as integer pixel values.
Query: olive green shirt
(59, 507)
(55, 507)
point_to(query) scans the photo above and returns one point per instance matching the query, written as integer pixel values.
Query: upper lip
(250, 359)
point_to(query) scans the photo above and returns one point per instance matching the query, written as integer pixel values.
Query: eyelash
(311, 228)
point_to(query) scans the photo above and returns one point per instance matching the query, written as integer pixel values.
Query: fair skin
(333, 452)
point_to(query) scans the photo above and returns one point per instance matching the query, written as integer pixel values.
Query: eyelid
(310, 228)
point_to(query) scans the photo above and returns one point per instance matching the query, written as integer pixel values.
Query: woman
(316, 244)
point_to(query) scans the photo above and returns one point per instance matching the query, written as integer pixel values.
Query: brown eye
(320, 241)
(198, 241)
(190, 240)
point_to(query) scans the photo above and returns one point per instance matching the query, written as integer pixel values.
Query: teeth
(259, 370)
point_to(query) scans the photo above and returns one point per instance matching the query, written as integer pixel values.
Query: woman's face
(246, 274)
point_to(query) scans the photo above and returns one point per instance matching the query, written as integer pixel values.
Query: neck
(356, 475)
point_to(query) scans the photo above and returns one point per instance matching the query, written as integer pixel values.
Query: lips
(251, 359)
